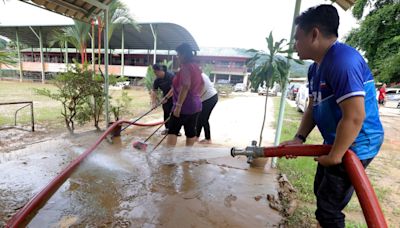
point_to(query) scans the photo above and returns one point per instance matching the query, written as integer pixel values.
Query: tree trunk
(265, 114)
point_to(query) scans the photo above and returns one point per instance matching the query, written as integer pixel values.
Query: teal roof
(221, 51)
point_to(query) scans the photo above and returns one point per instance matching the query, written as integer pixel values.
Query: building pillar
(66, 52)
(21, 74)
(106, 105)
(123, 52)
(154, 32)
(41, 54)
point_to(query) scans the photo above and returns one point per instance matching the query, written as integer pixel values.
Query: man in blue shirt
(342, 105)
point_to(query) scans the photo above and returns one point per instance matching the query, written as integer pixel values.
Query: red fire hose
(366, 196)
(27, 212)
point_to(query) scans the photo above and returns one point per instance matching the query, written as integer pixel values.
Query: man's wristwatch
(301, 137)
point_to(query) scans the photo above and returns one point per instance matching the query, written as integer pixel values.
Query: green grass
(48, 111)
(300, 171)
(382, 193)
(303, 217)
(396, 211)
(353, 224)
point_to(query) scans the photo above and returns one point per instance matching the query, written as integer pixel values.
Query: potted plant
(118, 107)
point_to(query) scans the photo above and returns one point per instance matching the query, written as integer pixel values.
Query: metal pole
(66, 52)
(107, 118)
(155, 43)
(41, 54)
(19, 56)
(33, 56)
(284, 90)
(32, 118)
(123, 52)
(92, 39)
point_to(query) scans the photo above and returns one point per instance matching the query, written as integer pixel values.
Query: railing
(28, 103)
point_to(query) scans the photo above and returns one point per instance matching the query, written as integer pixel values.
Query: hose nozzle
(250, 152)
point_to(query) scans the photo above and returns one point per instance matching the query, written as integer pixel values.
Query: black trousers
(167, 108)
(333, 190)
(208, 106)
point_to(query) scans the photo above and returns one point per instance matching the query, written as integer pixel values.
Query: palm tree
(118, 15)
(59, 37)
(77, 35)
(149, 79)
(167, 63)
(269, 68)
(3, 43)
(7, 58)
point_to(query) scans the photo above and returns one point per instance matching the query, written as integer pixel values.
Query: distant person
(209, 99)
(342, 105)
(164, 83)
(382, 95)
(187, 86)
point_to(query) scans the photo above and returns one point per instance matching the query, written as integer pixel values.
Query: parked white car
(262, 90)
(392, 98)
(275, 90)
(120, 85)
(302, 97)
(239, 87)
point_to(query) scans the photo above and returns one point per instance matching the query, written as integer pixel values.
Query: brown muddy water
(118, 186)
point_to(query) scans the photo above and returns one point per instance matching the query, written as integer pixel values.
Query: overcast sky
(212, 23)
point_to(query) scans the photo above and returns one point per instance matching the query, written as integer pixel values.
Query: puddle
(119, 186)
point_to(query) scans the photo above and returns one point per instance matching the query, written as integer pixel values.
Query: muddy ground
(118, 186)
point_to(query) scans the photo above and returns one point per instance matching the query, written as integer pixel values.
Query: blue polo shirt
(343, 73)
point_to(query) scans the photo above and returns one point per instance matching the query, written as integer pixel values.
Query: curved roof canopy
(82, 10)
(169, 36)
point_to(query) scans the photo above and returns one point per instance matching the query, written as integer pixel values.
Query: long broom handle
(140, 117)
(156, 129)
(155, 147)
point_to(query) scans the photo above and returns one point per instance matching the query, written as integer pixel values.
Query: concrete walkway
(118, 186)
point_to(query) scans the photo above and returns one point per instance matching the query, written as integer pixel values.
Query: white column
(123, 52)
(41, 54)
(19, 56)
(106, 105)
(155, 44)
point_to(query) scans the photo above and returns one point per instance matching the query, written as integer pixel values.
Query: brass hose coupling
(251, 152)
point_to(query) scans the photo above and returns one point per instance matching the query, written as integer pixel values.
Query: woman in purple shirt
(187, 86)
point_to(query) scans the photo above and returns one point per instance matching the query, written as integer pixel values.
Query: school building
(130, 53)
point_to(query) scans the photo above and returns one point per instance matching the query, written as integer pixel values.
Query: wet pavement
(118, 186)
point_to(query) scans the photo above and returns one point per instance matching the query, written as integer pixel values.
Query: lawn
(48, 111)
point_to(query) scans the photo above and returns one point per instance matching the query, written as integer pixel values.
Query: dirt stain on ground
(119, 186)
